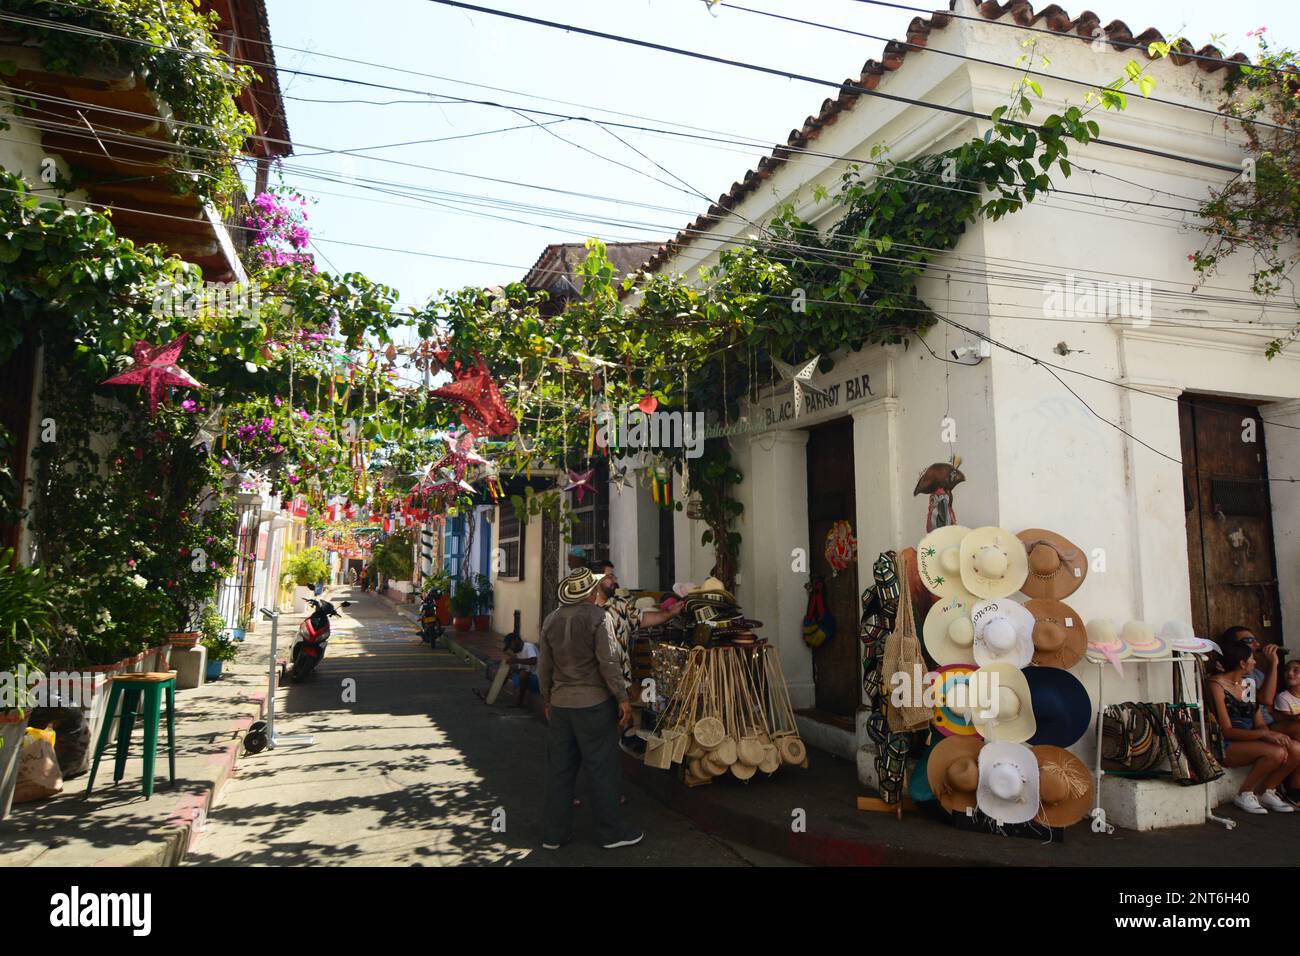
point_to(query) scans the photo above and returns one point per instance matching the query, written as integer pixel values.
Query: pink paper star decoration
(156, 369)
(580, 483)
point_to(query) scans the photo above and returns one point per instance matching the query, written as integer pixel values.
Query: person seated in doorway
(522, 660)
(1248, 741)
(1264, 677)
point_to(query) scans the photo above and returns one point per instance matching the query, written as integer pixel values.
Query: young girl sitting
(1272, 756)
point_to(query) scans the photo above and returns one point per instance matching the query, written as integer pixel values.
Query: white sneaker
(1271, 801)
(1248, 802)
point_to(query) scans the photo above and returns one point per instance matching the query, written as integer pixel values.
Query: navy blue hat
(1062, 708)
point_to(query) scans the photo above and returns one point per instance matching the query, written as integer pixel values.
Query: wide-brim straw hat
(712, 590)
(1057, 566)
(1065, 788)
(1008, 714)
(1008, 789)
(1142, 640)
(953, 772)
(993, 562)
(577, 586)
(1004, 633)
(1059, 635)
(949, 633)
(1179, 636)
(1104, 644)
(938, 561)
(949, 719)
(1061, 706)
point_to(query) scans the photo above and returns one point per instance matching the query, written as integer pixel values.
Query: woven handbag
(903, 656)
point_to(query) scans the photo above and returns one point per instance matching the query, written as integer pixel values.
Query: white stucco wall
(521, 595)
(1033, 453)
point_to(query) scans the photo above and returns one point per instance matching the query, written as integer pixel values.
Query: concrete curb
(171, 843)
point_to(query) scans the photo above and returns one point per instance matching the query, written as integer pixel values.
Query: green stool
(128, 688)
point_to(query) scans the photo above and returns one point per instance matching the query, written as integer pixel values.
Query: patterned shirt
(624, 621)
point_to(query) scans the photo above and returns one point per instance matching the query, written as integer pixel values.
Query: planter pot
(183, 638)
(462, 623)
(444, 610)
(483, 622)
(238, 633)
(213, 670)
(12, 730)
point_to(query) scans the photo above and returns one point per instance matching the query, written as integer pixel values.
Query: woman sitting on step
(1273, 757)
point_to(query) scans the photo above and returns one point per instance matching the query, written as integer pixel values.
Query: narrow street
(414, 772)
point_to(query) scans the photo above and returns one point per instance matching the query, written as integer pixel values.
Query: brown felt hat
(1057, 566)
(1060, 637)
(953, 772)
(1065, 788)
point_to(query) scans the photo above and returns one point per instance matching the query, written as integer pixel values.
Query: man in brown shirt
(586, 702)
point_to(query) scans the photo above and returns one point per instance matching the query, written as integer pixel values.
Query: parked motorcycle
(313, 635)
(430, 626)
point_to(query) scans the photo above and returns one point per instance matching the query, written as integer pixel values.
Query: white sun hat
(1178, 635)
(938, 561)
(1004, 633)
(1003, 708)
(994, 562)
(949, 633)
(1008, 788)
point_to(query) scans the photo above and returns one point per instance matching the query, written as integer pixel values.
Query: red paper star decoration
(483, 411)
(156, 369)
(460, 455)
(580, 483)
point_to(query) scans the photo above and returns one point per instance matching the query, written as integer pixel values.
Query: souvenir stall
(720, 703)
(983, 612)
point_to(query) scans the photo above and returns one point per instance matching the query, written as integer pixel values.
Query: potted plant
(240, 630)
(304, 569)
(483, 602)
(463, 599)
(28, 621)
(221, 646)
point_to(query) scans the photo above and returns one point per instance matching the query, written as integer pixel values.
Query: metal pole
(273, 739)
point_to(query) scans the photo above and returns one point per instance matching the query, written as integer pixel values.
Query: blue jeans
(580, 736)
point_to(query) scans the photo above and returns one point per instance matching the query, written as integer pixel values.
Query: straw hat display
(1008, 788)
(993, 562)
(1061, 706)
(953, 772)
(938, 561)
(577, 586)
(1178, 635)
(1008, 714)
(950, 714)
(712, 591)
(1065, 788)
(1143, 641)
(1003, 633)
(1056, 565)
(1105, 645)
(1059, 635)
(949, 633)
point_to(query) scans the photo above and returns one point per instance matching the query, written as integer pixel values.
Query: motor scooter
(313, 636)
(430, 626)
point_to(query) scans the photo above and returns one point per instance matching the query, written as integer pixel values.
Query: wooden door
(1229, 518)
(836, 677)
(667, 557)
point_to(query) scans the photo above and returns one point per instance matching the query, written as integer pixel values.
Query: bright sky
(528, 62)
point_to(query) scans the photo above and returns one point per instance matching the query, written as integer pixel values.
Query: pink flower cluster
(281, 234)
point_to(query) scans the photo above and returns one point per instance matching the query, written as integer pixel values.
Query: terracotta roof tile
(1052, 17)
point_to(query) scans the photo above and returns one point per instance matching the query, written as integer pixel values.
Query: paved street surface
(416, 771)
